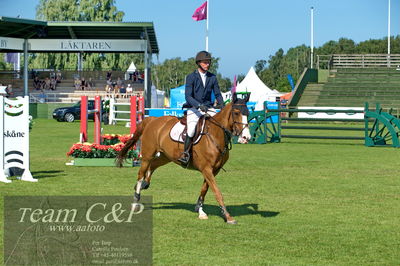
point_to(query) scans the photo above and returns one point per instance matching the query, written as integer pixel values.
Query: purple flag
(234, 85)
(11, 58)
(200, 13)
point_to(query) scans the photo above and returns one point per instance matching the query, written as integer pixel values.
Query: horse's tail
(129, 144)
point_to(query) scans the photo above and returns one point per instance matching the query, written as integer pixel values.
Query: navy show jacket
(196, 94)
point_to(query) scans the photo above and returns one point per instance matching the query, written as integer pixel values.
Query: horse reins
(227, 133)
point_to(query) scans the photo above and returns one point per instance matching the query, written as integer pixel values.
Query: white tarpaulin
(131, 68)
(259, 91)
(157, 98)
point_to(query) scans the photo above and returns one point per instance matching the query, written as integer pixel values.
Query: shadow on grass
(234, 210)
(47, 174)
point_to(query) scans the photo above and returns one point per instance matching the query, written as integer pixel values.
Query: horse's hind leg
(200, 201)
(154, 164)
(141, 175)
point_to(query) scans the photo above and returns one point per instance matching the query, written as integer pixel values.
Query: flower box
(100, 162)
(88, 154)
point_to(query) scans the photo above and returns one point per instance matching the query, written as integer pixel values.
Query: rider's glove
(220, 106)
(203, 108)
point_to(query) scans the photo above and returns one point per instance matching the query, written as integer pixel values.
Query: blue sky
(242, 32)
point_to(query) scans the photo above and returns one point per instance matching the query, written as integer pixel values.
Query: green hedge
(45, 110)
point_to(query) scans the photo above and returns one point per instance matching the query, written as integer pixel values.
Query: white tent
(259, 91)
(131, 69)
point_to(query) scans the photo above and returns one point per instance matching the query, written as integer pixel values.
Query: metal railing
(358, 61)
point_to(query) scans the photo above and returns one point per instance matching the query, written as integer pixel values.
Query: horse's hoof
(135, 207)
(203, 217)
(145, 185)
(231, 222)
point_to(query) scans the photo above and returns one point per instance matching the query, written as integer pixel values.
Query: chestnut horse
(208, 156)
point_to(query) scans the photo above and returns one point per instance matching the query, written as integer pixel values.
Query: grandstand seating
(353, 87)
(65, 91)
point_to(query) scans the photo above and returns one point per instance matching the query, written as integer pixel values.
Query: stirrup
(184, 159)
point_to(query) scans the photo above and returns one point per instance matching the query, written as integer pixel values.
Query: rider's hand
(203, 108)
(220, 106)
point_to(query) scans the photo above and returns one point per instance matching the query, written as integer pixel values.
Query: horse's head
(240, 112)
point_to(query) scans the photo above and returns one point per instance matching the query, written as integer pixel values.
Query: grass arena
(299, 202)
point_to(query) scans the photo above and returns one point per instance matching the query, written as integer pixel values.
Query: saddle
(178, 131)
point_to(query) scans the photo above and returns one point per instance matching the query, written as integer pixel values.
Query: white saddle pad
(177, 131)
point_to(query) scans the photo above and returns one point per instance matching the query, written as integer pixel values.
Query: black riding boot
(185, 157)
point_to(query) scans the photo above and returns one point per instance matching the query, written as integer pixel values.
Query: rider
(199, 86)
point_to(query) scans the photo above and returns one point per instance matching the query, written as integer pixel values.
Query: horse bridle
(227, 133)
(244, 125)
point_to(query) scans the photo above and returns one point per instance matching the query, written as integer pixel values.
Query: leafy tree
(82, 10)
(172, 73)
(260, 65)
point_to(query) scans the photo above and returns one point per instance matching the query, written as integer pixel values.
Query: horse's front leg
(200, 201)
(210, 178)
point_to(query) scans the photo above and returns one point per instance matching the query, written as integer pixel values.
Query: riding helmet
(203, 55)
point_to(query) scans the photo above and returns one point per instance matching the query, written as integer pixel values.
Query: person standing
(198, 89)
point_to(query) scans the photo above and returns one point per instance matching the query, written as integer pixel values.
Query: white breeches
(193, 116)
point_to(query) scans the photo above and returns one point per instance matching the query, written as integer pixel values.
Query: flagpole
(208, 15)
(388, 47)
(312, 37)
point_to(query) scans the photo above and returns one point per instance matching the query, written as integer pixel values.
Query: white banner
(79, 45)
(331, 115)
(14, 144)
(11, 43)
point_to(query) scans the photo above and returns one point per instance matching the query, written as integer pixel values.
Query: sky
(242, 32)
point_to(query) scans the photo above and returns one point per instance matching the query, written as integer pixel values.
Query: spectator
(77, 83)
(47, 83)
(141, 78)
(42, 96)
(122, 90)
(53, 84)
(120, 83)
(9, 91)
(83, 84)
(109, 74)
(58, 76)
(129, 89)
(36, 83)
(109, 87)
(90, 84)
(135, 75)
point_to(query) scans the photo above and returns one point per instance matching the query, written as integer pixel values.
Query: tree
(81, 10)
(172, 73)
(260, 65)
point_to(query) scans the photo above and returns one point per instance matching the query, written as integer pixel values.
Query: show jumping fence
(136, 111)
(384, 131)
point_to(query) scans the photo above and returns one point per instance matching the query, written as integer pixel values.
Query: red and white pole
(97, 120)
(141, 109)
(133, 114)
(84, 116)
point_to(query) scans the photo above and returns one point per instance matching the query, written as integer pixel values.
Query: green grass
(300, 202)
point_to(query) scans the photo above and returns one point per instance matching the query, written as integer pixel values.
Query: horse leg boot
(136, 196)
(210, 178)
(185, 157)
(200, 202)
